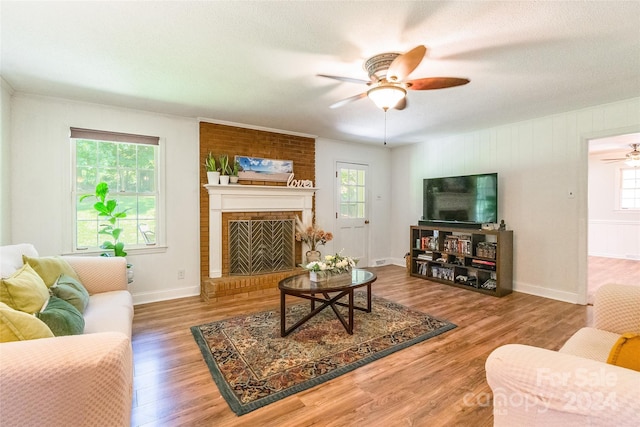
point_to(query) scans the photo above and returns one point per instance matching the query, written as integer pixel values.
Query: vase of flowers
(313, 237)
(330, 266)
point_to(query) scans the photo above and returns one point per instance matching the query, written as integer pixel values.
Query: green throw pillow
(62, 318)
(50, 268)
(24, 290)
(72, 291)
(18, 326)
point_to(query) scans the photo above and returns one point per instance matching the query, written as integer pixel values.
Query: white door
(352, 209)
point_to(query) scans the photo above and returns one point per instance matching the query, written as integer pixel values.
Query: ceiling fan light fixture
(386, 96)
(633, 161)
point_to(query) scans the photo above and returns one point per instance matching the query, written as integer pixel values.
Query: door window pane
(352, 193)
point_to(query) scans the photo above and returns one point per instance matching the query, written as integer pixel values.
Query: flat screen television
(461, 200)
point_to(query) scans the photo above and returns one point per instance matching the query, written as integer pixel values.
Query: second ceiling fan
(632, 158)
(389, 90)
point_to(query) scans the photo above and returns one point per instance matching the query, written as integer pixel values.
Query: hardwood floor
(440, 382)
(611, 270)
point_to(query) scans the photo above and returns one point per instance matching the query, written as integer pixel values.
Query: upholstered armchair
(574, 386)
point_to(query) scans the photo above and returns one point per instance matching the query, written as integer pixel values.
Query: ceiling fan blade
(404, 64)
(429, 83)
(613, 160)
(348, 100)
(346, 79)
(402, 104)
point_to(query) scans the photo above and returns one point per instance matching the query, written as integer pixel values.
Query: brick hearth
(235, 286)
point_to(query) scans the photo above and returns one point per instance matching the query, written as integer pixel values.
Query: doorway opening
(613, 184)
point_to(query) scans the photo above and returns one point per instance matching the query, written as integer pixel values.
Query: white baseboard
(633, 257)
(147, 297)
(400, 262)
(555, 294)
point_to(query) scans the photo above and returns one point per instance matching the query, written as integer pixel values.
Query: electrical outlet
(181, 273)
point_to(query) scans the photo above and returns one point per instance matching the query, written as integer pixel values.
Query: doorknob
(366, 221)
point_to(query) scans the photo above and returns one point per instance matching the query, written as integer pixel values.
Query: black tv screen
(470, 199)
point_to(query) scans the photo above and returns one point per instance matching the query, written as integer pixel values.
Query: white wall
(41, 187)
(5, 162)
(538, 162)
(613, 233)
(328, 153)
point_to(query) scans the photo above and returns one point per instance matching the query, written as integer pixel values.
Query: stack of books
(429, 242)
(421, 267)
(460, 244)
(427, 255)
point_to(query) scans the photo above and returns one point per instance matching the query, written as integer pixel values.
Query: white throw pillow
(11, 257)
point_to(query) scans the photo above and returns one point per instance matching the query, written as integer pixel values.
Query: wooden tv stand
(479, 260)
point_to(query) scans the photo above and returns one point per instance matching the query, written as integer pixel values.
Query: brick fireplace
(248, 203)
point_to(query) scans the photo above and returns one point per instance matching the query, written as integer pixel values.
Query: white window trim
(618, 191)
(69, 229)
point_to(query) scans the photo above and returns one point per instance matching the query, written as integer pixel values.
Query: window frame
(359, 203)
(132, 249)
(619, 188)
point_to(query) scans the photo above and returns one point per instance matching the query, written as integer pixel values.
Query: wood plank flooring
(440, 382)
(611, 270)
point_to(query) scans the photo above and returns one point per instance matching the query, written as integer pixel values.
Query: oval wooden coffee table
(301, 286)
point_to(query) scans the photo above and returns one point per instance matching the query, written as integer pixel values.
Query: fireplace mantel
(250, 198)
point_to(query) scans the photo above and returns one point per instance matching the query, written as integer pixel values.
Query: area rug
(253, 366)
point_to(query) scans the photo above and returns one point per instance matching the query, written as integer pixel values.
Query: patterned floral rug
(253, 366)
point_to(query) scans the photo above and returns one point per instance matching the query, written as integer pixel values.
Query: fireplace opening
(261, 246)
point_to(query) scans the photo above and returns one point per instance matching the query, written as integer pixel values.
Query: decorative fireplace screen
(261, 246)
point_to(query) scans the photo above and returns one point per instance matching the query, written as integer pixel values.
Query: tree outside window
(130, 170)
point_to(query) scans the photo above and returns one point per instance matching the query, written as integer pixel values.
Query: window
(630, 188)
(352, 192)
(129, 165)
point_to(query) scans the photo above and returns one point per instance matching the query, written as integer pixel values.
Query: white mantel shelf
(250, 198)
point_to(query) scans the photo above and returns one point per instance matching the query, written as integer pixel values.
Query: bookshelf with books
(480, 260)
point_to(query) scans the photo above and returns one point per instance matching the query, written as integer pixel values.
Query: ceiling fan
(632, 158)
(389, 89)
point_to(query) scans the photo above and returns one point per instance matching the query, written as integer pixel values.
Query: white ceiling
(620, 144)
(256, 62)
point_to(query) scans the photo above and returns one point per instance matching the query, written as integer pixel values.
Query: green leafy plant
(224, 165)
(107, 209)
(236, 168)
(210, 163)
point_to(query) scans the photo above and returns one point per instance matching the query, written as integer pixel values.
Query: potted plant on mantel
(224, 169)
(235, 171)
(108, 208)
(213, 174)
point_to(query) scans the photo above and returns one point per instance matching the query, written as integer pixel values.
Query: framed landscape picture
(259, 169)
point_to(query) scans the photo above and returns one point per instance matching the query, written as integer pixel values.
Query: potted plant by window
(108, 209)
(213, 174)
(234, 172)
(224, 169)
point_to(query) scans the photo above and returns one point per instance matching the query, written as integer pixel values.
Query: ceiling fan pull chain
(385, 127)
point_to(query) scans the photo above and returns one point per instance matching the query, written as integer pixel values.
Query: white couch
(78, 380)
(573, 386)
